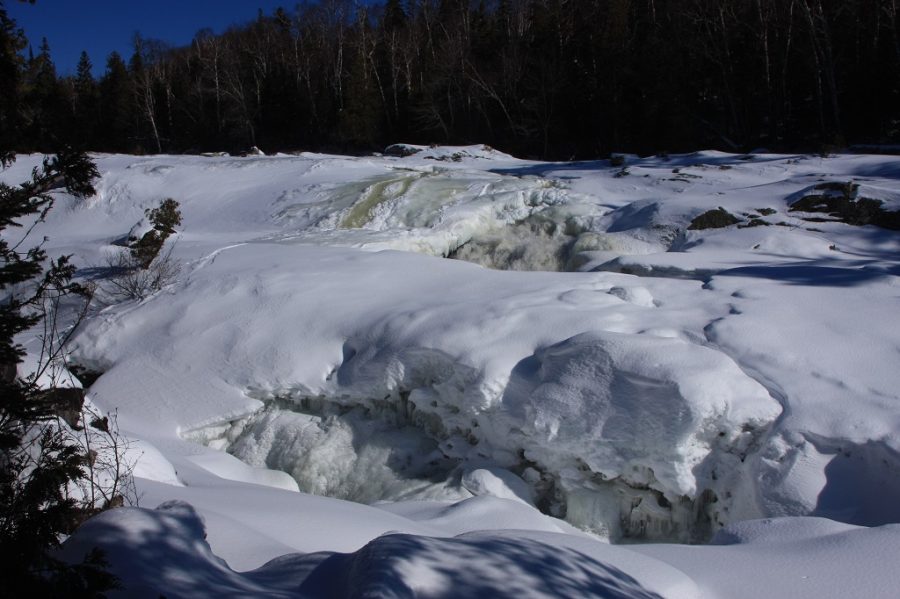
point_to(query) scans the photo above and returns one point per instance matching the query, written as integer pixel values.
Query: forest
(556, 79)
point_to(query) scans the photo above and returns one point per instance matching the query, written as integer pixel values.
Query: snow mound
(160, 552)
(778, 530)
(802, 558)
(163, 552)
(661, 415)
(633, 403)
(497, 482)
(481, 565)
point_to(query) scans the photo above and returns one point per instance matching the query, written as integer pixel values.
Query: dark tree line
(550, 78)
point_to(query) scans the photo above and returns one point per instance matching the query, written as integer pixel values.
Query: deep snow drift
(677, 380)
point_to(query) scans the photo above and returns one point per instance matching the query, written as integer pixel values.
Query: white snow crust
(493, 411)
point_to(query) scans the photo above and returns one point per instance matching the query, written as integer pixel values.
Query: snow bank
(790, 558)
(160, 552)
(163, 552)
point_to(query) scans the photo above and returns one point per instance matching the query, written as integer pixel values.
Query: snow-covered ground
(588, 367)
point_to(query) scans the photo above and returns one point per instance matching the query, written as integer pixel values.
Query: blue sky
(101, 26)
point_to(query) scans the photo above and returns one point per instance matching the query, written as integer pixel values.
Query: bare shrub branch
(129, 280)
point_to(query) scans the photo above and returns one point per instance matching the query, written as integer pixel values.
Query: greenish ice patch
(375, 194)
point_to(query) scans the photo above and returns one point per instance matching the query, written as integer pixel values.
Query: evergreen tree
(86, 104)
(45, 107)
(11, 43)
(115, 106)
(164, 220)
(83, 72)
(37, 463)
(36, 460)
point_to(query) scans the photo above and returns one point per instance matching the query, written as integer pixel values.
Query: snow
(580, 393)
(167, 543)
(493, 422)
(790, 557)
(164, 551)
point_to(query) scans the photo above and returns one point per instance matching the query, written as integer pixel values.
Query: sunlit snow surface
(671, 383)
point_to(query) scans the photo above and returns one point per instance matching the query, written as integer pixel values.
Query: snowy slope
(675, 381)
